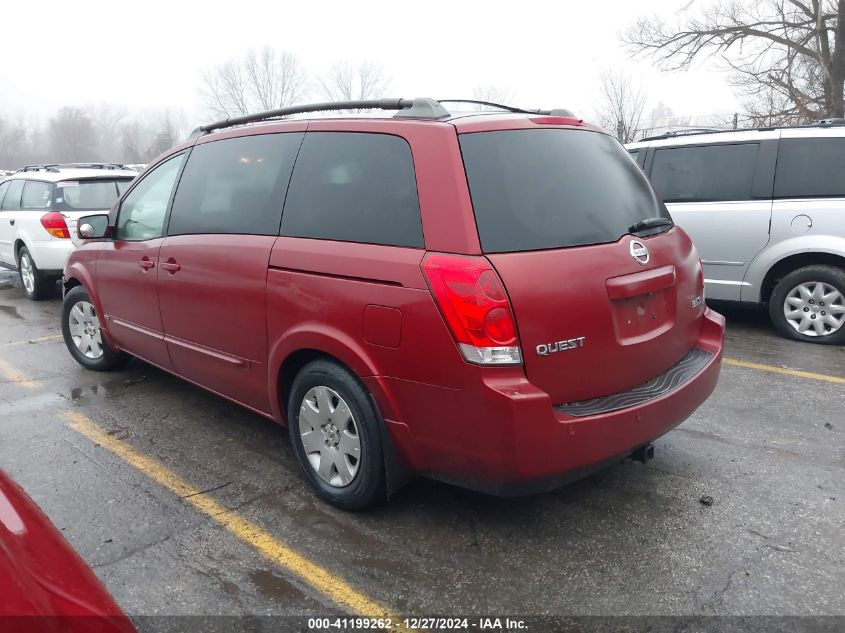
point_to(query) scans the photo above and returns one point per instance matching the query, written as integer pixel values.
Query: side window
(705, 173)
(354, 187)
(141, 215)
(3, 187)
(810, 168)
(235, 185)
(12, 199)
(636, 154)
(36, 195)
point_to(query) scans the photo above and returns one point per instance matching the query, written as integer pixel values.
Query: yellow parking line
(781, 370)
(321, 580)
(42, 339)
(13, 375)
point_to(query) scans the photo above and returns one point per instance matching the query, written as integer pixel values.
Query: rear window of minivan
(553, 188)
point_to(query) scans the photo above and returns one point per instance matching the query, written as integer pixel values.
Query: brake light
(473, 302)
(55, 225)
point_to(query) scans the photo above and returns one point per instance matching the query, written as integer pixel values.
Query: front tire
(808, 305)
(35, 284)
(334, 430)
(83, 336)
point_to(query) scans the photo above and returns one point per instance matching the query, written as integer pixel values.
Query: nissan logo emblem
(639, 252)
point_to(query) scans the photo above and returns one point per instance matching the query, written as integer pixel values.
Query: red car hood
(44, 584)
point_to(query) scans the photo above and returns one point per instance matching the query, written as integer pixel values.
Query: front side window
(235, 185)
(354, 187)
(708, 173)
(12, 199)
(142, 212)
(810, 168)
(36, 195)
(553, 188)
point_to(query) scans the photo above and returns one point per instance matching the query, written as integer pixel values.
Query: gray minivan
(766, 209)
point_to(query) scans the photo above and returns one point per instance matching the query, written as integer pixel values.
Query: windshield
(553, 188)
(89, 195)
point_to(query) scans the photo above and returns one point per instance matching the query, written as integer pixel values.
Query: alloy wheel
(27, 273)
(815, 308)
(330, 436)
(85, 330)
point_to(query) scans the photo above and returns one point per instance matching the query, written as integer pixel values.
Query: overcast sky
(150, 53)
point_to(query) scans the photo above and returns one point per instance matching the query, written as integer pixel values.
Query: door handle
(146, 264)
(170, 266)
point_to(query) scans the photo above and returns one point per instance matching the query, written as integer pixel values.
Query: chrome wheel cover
(815, 308)
(27, 273)
(329, 436)
(85, 330)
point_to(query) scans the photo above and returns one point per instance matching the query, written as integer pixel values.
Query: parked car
(39, 206)
(766, 208)
(495, 300)
(44, 584)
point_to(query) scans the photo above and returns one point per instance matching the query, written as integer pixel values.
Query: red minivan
(494, 299)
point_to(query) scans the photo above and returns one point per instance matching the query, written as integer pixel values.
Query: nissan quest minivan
(497, 300)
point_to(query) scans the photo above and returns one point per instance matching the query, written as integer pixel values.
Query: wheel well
(18, 246)
(72, 282)
(290, 368)
(794, 262)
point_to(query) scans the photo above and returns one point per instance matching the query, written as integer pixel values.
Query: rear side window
(235, 185)
(810, 168)
(12, 199)
(540, 189)
(89, 194)
(354, 187)
(709, 173)
(36, 195)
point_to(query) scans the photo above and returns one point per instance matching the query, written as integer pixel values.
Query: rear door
(598, 310)
(8, 217)
(75, 198)
(721, 195)
(213, 271)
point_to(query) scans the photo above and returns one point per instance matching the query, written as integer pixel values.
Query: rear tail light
(473, 302)
(55, 225)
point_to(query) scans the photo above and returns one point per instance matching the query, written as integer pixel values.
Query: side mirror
(92, 226)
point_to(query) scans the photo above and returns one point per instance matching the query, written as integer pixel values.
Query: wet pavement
(634, 539)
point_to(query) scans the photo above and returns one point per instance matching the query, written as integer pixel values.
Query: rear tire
(334, 430)
(35, 284)
(808, 305)
(83, 336)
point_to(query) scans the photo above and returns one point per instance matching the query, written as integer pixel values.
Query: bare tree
(72, 136)
(492, 94)
(622, 107)
(348, 82)
(786, 56)
(261, 80)
(12, 143)
(107, 118)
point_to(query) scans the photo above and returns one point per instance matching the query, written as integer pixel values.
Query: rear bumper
(504, 436)
(50, 256)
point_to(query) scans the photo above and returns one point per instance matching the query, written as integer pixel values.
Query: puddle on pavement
(271, 586)
(8, 279)
(114, 388)
(11, 311)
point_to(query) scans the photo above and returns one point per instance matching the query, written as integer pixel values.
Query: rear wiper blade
(649, 223)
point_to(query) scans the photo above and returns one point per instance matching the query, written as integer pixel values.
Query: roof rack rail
(831, 122)
(553, 112)
(689, 132)
(422, 108)
(55, 167)
(418, 108)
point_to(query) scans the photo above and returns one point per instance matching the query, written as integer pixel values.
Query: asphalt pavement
(185, 504)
